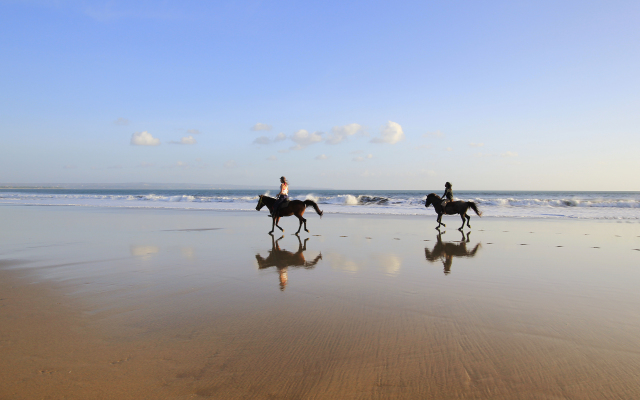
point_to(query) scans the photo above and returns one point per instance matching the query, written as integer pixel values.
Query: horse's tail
(473, 206)
(312, 203)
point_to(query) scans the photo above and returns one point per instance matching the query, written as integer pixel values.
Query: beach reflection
(283, 259)
(446, 251)
(143, 251)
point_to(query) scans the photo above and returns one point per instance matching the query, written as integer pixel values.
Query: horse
(447, 251)
(295, 207)
(453, 207)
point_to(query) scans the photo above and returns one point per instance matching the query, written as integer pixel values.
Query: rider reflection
(446, 251)
(283, 259)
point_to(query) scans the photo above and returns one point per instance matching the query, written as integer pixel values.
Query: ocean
(512, 204)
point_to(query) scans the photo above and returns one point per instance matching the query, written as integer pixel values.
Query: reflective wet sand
(98, 303)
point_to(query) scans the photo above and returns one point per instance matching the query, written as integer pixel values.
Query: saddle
(282, 205)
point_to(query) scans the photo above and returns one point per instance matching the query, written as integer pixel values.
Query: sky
(491, 95)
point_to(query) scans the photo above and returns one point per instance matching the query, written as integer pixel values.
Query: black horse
(294, 207)
(283, 259)
(453, 207)
(446, 251)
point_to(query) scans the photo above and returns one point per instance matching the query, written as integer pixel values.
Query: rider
(282, 196)
(447, 196)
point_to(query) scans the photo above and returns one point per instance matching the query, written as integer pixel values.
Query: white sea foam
(625, 206)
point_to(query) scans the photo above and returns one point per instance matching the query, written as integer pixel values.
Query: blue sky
(347, 95)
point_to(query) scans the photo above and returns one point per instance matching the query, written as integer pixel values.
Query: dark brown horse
(295, 207)
(283, 259)
(452, 208)
(446, 251)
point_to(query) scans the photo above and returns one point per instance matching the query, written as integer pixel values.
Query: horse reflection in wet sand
(283, 259)
(446, 251)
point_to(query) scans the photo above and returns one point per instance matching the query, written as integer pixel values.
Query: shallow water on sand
(175, 303)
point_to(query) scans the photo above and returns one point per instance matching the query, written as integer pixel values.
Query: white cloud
(272, 158)
(423, 146)
(357, 152)
(360, 158)
(69, 166)
(185, 140)
(449, 149)
(476, 144)
(181, 164)
(283, 151)
(121, 122)
(390, 133)
(266, 140)
(262, 140)
(303, 139)
(230, 164)
(340, 133)
(145, 165)
(193, 131)
(261, 127)
(436, 133)
(509, 154)
(144, 139)
(321, 157)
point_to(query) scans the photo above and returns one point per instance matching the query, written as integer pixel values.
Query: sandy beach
(100, 303)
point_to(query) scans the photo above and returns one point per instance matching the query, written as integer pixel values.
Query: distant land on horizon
(143, 186)
(200, 186)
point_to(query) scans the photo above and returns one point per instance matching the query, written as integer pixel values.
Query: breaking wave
(590, 205)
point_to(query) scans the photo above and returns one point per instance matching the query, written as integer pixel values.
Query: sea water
(514, 204)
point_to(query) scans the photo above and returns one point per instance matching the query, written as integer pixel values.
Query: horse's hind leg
(463, 221)
(304, 220)
(468, 220)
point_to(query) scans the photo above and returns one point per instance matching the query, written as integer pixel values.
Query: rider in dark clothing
(447, 196)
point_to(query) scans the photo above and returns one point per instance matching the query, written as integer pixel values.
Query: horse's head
(260, 203)
(432, 198)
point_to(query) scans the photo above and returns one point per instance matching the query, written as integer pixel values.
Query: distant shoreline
(270, 187)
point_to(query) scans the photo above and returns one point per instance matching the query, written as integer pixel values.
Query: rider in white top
(283, 195)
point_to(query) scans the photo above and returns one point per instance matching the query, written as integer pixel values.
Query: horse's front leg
(273, 222)
(463, 221)
(277, 219)
(440, 221)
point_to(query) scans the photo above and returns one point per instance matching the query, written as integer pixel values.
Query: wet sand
(150, 304)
